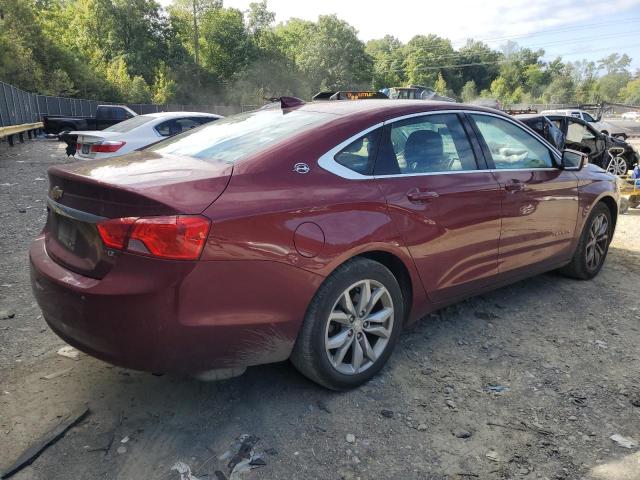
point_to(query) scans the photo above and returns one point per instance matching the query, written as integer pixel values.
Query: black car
(612, 154)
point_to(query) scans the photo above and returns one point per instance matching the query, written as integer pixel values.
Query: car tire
(593, 245)
(331, 348)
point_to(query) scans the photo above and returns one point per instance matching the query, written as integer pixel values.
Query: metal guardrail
(20, 130)
(18, 107)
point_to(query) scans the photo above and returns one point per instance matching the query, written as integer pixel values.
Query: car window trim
(555, 155)
(472, 136)
(479, 166)
(328, 163)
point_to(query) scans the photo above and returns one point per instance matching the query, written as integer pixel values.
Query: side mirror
(573, 160)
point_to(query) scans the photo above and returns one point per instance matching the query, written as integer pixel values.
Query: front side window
(426, 144)
(119, 114)
(359, 155)
(512, 147)
(587, 118)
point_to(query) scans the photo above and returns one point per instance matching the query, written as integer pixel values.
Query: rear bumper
(171, 316)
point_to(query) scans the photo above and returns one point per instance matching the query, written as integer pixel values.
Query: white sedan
(135, 133)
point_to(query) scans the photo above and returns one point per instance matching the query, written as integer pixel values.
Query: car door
(539, 200)
(444, 201)
(584, 138)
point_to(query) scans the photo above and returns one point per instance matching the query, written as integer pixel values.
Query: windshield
(237, 136)
(129, 124)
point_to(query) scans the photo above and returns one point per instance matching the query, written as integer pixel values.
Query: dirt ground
(538, 376)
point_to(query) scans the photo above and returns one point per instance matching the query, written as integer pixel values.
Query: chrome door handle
(421, 196)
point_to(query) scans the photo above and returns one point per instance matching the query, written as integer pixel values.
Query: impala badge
(56, 193)
(301, 168)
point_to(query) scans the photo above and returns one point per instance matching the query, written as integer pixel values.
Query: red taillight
(179, 237)
(106, 146)
(114, 232)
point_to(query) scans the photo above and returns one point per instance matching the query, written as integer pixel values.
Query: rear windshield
(129, 124)
(237, 136)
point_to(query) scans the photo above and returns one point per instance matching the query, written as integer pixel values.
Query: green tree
(426, 57)
(469, 91)
(631, 92)
(225, 43)
(482, 64)
(388, 58)
(164, 87)
(440, 85)
(328, 53)
(194, 10)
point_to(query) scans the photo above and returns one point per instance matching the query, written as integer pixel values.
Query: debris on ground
(323, 406)
(69, 352)
(495, 388)
(350, 438)
(461, 433)
(102, 443)
(183, 470)
(124, 440)
(624, 441)
(600, 344)
(485, 315)
(31, 453)
(493, 456)
(245, 457)
(4, 315)
(122, 449)
(386, 413)
(57, 374)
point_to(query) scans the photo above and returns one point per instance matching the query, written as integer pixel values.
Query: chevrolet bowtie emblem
(56, 193)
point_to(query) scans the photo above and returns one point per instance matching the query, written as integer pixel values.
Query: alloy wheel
(617, 166)
(598, 239)
(359, 327)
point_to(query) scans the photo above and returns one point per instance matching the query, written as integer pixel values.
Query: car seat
(424, 152)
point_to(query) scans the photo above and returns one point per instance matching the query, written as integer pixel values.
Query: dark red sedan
(311, 231)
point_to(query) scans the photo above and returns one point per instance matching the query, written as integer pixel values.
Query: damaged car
(612, 154)
(308, 231)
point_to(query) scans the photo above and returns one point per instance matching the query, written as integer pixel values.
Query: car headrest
(424, 150)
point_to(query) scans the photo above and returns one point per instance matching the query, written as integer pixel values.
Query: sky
(573, 29)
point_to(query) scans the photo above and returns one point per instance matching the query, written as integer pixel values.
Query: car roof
(527, 116)
(180, 114)
(384, 109)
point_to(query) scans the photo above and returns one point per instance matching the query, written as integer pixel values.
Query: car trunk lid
(86, 139)
(141, 184)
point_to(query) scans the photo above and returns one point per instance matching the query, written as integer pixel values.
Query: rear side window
(360, 154)
(129, 125)
(512, 147)
(175, 126)
(232, 138)
(426, 144)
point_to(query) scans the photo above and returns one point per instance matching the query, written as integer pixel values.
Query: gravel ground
(529, 381)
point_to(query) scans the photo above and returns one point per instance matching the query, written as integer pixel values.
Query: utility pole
(196, 40)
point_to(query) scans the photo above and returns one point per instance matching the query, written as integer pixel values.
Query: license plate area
(66, 232)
